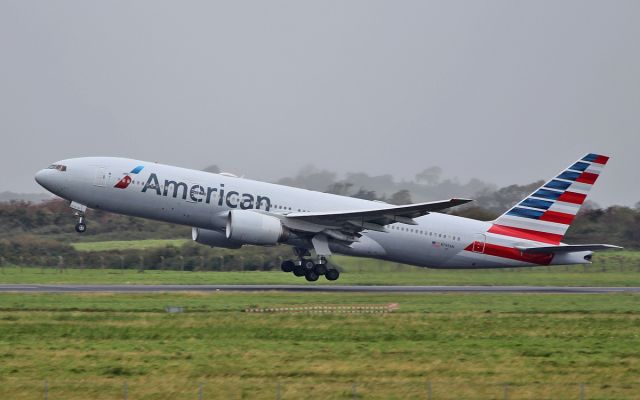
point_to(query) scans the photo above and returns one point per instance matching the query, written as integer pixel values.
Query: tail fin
(545, 215)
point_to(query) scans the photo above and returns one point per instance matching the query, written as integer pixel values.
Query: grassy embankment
(469, 346)
(621, 268)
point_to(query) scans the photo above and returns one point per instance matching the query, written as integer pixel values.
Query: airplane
(227, 211)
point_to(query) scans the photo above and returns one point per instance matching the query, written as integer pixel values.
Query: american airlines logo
(126, 180)
(205, 194)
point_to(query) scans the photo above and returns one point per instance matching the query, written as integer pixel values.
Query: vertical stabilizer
(546, 214)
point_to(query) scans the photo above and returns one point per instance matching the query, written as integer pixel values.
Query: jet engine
(213, 238)
(254, 228)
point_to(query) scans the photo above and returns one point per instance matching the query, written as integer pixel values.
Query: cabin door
(479, 242)
(100, 177)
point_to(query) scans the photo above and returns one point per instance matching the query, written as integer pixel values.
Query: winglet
(459, 202)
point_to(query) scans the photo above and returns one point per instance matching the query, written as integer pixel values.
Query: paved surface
(311, 288)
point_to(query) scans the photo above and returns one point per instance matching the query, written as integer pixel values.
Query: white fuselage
(202, 199)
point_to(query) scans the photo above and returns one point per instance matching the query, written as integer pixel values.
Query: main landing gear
(309, 269)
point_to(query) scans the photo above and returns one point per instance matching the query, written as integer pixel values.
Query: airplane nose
(44, 178)
(40, 177)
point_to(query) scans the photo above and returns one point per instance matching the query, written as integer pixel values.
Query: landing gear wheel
(308, 265)
(332, 274)
(311, 276)
(287, 266)
(81, 227)
(320, 269)
(298, 270)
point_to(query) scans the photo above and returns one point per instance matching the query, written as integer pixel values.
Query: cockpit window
(59, 167)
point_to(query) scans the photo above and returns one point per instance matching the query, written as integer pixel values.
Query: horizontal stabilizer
(569, 248)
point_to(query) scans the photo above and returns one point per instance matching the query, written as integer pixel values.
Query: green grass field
(468, 346)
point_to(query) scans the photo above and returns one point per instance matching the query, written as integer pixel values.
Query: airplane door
(100, 177)
(478, 243)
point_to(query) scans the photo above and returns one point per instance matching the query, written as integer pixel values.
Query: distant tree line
(54, 220)
(39, 252)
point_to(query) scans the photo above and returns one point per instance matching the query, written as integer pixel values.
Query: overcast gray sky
(506, 91)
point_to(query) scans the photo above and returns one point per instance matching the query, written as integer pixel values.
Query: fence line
(361, 309)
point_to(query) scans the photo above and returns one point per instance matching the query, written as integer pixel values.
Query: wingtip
(461, 201)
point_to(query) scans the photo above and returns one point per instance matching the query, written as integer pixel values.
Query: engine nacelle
(213, 238)
(251, 227)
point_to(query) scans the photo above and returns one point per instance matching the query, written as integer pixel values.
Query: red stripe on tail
(587, 177)
(522, 233)
(601, 160)
(557, 217)
(572, 197)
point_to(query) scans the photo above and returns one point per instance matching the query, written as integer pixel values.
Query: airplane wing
(568, 248)
(353, 221)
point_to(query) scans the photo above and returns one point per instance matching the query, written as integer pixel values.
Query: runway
(69, 288)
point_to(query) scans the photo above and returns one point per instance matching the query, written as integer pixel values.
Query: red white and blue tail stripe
(545, 215)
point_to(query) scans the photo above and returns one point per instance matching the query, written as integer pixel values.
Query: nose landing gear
(79, 211)
(81, 227)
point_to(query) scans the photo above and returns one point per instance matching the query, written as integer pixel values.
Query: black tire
(311, 276)
(332, 274)
(287, 266)
(81, 227)
(308, 265)
(320, 269)
(298, 270)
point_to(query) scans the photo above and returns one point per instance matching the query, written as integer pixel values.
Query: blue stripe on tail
(525, 212)
(536, 203)
(556, 184)
(569, 175)
(547, 194)
(579, 166)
